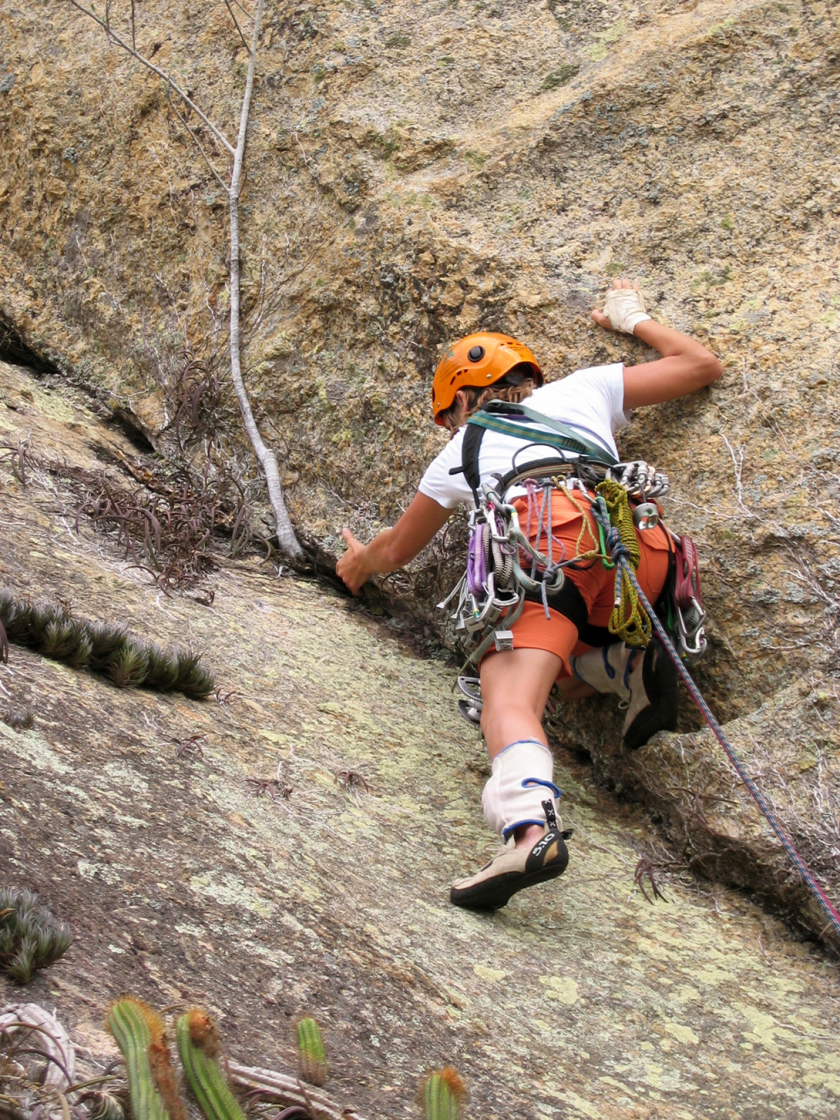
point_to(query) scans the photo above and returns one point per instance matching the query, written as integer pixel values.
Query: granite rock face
(417, 171)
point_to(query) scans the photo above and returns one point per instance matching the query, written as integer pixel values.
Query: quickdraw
(684, 615)
(492, 591)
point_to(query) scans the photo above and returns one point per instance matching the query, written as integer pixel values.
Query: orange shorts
(576, 535)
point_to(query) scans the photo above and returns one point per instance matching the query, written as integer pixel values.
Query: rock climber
(572, 646)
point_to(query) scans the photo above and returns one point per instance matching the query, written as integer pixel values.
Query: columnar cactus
(312, 1058)
(443, 1094)
(198, 1049)
(140, 1035)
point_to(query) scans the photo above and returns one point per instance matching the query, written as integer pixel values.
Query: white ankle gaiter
(520, 782)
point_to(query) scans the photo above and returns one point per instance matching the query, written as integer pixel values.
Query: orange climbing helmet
(477, 361)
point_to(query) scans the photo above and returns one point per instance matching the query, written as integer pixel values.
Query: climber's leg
(646, 680)
(520, 795)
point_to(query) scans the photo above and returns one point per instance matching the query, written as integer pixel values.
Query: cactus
(312, 1058)
(139, 1033)
(443, 1094)
(198, 1048)
(30, 937)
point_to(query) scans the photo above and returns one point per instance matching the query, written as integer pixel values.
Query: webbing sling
(492, 414)
(491, 417)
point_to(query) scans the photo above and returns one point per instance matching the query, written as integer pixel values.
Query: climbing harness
(620, 557)
(507, 566)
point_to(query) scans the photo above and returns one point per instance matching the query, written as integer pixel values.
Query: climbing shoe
(512, 870)
(654, 697)
(649, 691)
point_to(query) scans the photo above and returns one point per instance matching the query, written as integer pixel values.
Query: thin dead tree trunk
(287, 540)
(268, 461)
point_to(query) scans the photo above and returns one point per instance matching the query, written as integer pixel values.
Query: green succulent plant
(443, 1094)
(193, 681)
(164, 669)
(198, 1049)
(42, 616)
(312, 1057)
(129, 666)
(101, 646)
(64, 639)
(106, 641)
(17, 617)
(30, 937)
(79, 658)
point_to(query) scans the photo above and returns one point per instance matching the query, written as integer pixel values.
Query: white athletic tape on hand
(505, 800)
(625, 309)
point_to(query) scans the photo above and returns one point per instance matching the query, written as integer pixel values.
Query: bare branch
(133, 29)
(287, 539)
(114, 37)
(236, 25)
(289, 1090)
(285, 533)
(192, 133)
(738, 467)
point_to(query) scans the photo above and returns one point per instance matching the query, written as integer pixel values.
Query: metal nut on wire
(645, 516)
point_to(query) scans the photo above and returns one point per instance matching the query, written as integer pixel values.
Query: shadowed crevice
(15, 351)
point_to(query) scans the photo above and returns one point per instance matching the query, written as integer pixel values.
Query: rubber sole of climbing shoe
(659, 681)
(512, 870)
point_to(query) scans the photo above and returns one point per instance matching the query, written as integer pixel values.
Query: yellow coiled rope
(629, 620)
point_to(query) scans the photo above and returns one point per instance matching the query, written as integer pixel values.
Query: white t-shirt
(591, 400)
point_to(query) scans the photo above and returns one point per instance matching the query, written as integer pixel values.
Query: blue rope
(620, 554)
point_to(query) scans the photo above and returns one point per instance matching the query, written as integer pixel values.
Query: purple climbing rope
(620, 555)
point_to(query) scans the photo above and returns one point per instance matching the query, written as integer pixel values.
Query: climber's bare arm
(685, 366)
(392, 548)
